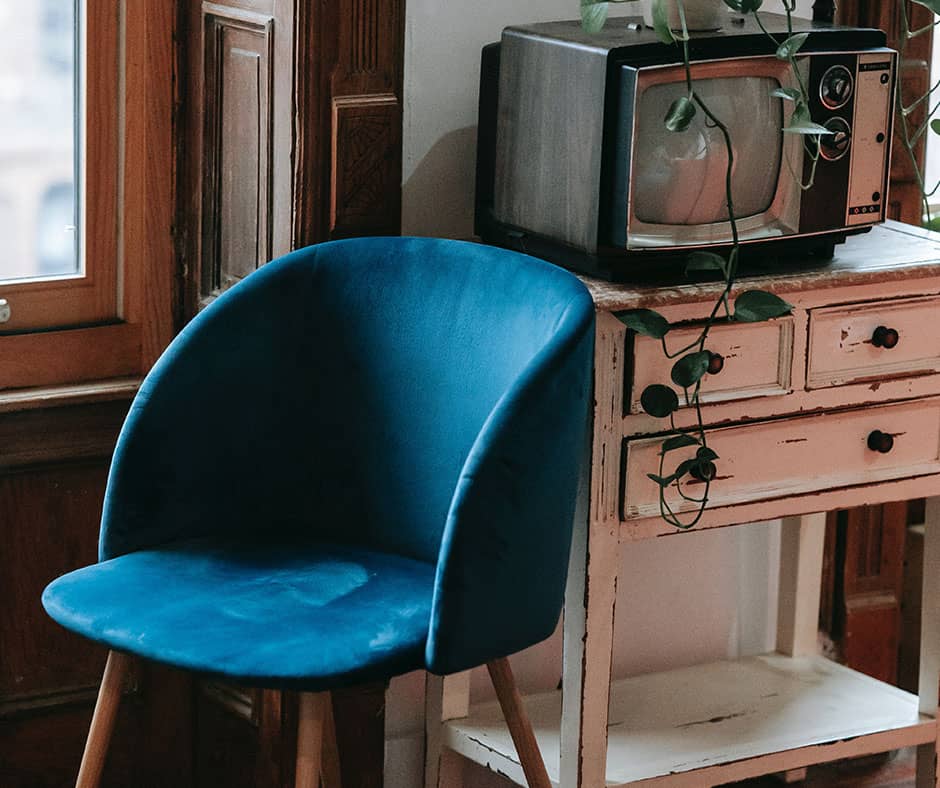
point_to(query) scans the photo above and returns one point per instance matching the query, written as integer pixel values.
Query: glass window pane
(38, 129)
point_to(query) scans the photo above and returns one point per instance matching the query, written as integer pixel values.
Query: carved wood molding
(349, 104)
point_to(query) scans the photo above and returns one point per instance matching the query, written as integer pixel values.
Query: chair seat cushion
(301, 615)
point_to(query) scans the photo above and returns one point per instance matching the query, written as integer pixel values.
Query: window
(86, 182)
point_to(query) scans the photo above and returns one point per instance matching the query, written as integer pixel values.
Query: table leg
(592, 576)
(801, 557)
(446, 698)
(930, 642)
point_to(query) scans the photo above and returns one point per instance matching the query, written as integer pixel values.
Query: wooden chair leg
(313, 706)
(102, 722)
(330, 768)
(518, 721)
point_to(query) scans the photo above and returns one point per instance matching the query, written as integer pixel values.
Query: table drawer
(843, 347)
(786, 457)
(758, 358)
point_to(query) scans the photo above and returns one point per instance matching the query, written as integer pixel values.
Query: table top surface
(889, 252)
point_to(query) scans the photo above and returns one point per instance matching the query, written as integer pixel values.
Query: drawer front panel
(758, 358)
(767, 460)
(841, 349)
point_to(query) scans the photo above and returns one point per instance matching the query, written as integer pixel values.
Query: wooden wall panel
(236, 150)
(52, 484)
(366, 186)
(349, 93)
(872, 582)
(50, 522)
(239, 174)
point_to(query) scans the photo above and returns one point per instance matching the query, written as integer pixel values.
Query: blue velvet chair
(360, 461)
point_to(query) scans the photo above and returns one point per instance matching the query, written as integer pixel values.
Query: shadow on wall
(437, 199)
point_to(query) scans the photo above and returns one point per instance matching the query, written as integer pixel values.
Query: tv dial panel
(867, 135)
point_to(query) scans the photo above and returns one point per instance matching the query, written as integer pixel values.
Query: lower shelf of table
(717, 722)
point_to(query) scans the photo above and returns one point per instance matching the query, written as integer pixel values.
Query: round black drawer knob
(880, 442)
(885, 337)
(716, 363)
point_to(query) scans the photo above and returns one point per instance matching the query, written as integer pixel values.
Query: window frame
(113, 321)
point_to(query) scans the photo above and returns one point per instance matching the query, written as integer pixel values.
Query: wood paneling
(52, 481)
(150, 175)
(50, 517)
(237, 127)
(239, 172)
(366, 184)
(872, 580)
(349, 93)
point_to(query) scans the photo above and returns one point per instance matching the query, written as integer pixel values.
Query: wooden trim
(51, 435)
(149, 177)
(77, 355)
(69, 394)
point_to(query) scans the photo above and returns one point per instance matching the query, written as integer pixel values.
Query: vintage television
(574, 162)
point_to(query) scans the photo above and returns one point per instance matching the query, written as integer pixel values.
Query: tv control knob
(836, 86)
(833, 147)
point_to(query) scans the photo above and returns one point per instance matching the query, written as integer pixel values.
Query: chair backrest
(338, 393)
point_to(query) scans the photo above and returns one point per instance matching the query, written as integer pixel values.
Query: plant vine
(695, 360)
(910, 138)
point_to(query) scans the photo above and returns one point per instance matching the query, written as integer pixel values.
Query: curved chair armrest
(503, 562)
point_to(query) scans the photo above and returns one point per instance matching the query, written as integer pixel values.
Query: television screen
(679, 177)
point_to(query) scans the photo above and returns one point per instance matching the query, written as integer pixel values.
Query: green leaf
(678, 442)
(593, 16)
(790, 94)
(754, 306)
(933, 5)
(791, 46)
(659, 400)
(935, 123)
(661, 22)
(744, 6)
(684, 467)
(662, 481)
(646, 322)
(802, 123)
(706, 454)
(680, 114)
(706, 261)
(690, 369)
(806, 128)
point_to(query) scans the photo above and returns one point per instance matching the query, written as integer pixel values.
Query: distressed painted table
(813, 386)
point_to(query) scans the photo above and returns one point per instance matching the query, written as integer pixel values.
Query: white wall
(681, 599)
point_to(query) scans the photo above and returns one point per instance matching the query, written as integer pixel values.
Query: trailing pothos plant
(694, 360)
(909, 135)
